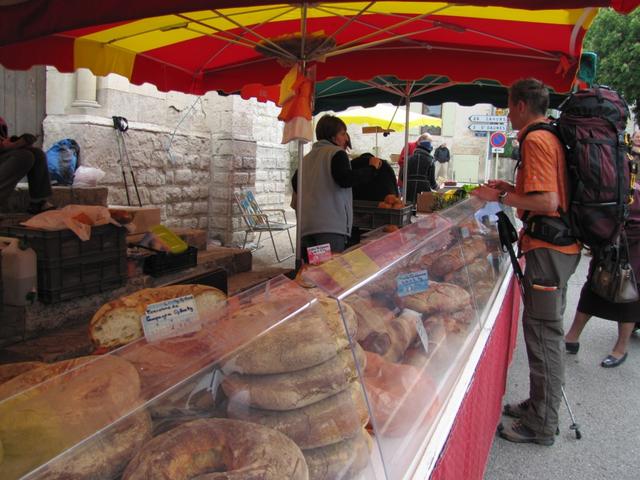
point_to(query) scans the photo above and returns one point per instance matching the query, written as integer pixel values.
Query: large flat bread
(50, 409)
(310, 338)
(10, 370)
(459, 255)
(288, 391)
(439, 297)
(118, 322)
(328, 421)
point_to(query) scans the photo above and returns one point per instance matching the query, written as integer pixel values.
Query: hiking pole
(121, 125)
(124, 173)
(574, 425)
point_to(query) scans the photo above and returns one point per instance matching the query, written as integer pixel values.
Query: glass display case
(347, 379)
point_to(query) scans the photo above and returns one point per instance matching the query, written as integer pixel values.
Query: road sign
(488, 118)
(498, 139)
(497, 150)
(488, 127)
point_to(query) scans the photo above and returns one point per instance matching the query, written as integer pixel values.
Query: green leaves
(616, 40)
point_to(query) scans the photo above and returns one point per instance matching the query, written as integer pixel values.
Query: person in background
(421, 172)
(515, 150)
(590, 304)
(327, 179)
(541, 189)
(411, 147)
(382, 184)
(18, 157)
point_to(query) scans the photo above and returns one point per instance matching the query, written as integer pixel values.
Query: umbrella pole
(405, 166)
(299, 207)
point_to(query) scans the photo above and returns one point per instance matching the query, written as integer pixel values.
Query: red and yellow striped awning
(196, 51)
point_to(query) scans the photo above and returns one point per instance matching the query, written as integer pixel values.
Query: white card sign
(171, 318)
(422, 333)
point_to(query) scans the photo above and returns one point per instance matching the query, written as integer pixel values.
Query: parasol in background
(389, 117)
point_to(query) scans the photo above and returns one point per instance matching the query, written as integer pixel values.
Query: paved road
(605, 402)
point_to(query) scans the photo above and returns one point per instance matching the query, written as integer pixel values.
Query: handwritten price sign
(319, 253)
(412, 283)
(171, 318)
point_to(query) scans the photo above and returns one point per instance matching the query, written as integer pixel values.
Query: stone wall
(189, 154)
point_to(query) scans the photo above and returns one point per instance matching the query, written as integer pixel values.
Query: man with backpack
(541, 191)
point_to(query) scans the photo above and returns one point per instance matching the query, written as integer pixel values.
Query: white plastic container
(19, 272)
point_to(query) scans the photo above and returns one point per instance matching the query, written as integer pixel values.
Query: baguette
(118, 322)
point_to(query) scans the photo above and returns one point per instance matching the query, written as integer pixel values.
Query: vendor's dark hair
(532, 92)
(328, 127)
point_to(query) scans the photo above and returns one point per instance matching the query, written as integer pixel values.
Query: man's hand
(486, 193)
(501, 185)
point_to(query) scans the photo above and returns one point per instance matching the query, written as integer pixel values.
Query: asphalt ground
(605, 404)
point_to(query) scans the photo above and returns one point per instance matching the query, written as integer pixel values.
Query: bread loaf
(218, 449)
(50, 409)
(310, 338)
(118, 322)
(458, 255)
(439, 298)
(288, 391)
(339, 461)
(10, 370)
(328, 421)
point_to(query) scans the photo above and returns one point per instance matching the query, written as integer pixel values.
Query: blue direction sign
(498, 139)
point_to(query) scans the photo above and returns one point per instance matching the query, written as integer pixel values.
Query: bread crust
(289, 391)
(328, 421)
(245, 450)
(48, 410)
(117, 322)
(11, 370)
(342, 460)
(310, 338)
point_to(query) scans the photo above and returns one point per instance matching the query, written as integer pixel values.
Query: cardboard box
(425, 201)
(143, 218)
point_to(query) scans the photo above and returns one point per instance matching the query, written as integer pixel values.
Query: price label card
(412, 283)
(171, 318)
(319, 253)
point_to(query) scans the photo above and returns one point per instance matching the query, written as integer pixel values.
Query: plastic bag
(87, 176)
(78, 218)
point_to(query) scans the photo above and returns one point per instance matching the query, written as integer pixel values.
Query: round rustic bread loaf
(310, 338)
(339, 461)
(47, 410)
(218, 449)
(118, 322)
(288, 391)
(439, 298)
(10, 370)
(105, 456)
(328, 421)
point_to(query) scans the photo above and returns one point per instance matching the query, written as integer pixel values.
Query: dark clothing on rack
(382, 184)
(421, 174)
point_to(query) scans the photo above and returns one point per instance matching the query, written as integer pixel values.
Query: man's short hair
(328, 127)
(532, 92)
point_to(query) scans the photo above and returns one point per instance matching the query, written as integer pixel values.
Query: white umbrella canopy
(388, 117)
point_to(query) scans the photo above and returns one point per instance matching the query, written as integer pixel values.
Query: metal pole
(299, 206)
(405, 167)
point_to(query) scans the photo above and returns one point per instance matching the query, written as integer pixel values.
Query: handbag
(613, 278)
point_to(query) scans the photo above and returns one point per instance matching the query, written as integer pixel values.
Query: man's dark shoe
(516, 410)
(514, 431)
(572, 347)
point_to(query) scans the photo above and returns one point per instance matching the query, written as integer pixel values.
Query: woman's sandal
(572, 347)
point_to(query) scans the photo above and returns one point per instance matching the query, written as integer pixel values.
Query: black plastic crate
(161, 263)
(367, 215)
(69, 267)
(64, 244)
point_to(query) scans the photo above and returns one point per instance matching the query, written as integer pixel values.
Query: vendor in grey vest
(327, 178)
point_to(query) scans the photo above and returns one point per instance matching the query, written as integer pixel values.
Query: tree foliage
(615, 39)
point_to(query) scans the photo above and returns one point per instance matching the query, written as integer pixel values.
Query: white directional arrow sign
(488, 127)
(488, 118)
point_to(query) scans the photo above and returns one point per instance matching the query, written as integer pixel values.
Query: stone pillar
(86, 86)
